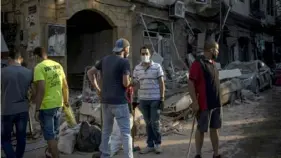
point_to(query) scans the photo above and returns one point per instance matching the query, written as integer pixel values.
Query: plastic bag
(69, 116)
(67, 138)
(88, 138)
(116, 138)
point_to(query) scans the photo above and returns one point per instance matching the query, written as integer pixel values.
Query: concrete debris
(247, 94)
(90, 112)
(74, 96)
(224, 74)
(90, 96)
(177, 103)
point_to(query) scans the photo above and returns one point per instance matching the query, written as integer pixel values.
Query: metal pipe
(155, 17)
(220, 21)
(224, 21)
(144, 24)
(188, 25)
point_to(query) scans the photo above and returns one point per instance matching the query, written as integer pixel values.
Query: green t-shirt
(52, 73)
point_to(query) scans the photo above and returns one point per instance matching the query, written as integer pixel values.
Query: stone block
(121, 23)
(121, 16)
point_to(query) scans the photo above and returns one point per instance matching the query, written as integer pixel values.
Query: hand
(66, 104)
(161, 105)
(98, 92)
(195, 107)
(36, 116)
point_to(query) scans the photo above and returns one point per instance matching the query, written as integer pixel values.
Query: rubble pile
(181, 77)
(177, 104)
(73, 95)
(176, 80)
(90, 96)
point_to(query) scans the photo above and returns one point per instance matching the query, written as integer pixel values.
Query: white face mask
(145, 59)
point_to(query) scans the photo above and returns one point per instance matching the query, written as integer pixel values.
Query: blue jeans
(8, 121)
(122, 116)
(49, 121)
(151, 113)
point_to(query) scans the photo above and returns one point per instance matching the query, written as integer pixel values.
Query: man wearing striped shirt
(151, 92)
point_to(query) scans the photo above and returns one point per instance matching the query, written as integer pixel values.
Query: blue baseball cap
(120, 45)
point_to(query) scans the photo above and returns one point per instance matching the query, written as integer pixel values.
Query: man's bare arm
(126, 80)
(65, 92)
(40, 91)
(162, 87)
(192, 93)
(92, 77)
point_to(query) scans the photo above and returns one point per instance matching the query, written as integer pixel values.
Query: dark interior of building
(85, 45)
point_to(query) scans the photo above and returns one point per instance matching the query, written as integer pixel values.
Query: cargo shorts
(209, 119)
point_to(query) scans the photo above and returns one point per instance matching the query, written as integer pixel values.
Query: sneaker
(198, 156)
(158, 149)
(219, 156)
(146, 150)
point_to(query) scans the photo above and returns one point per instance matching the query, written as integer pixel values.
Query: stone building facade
(92, 27)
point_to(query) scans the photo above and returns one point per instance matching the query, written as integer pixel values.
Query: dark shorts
(209, 119)
(49, 120)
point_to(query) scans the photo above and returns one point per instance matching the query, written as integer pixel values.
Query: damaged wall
(165, 45)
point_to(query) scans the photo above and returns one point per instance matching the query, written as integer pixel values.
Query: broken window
(157, 28)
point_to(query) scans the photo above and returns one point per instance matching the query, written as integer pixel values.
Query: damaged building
(77, 33)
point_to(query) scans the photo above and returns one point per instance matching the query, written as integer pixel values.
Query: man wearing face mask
(204, 89)
(115, 71)
(151, 94)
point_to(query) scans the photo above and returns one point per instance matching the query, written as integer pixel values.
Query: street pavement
(250, 130)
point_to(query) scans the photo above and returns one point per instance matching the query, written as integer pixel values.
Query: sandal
(47, 154)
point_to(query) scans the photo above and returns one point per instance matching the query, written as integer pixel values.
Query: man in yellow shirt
(51, 95)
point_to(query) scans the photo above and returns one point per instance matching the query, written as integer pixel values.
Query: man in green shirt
(51, 95)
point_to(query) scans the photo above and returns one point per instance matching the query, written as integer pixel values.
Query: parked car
(277, 74)
(4, 63)
(256, 75)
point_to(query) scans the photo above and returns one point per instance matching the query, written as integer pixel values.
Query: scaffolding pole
(146, 29)
(222, 23)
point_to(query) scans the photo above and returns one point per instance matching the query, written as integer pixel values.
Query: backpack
(88, 138)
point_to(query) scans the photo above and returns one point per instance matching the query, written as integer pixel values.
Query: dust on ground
(250, 129)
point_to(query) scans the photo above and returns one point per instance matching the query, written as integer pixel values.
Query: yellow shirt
(52, 73)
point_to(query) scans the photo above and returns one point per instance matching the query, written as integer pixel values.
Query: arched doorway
(89, 38)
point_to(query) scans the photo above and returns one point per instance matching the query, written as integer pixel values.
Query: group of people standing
(148, 79)
(48, 85)
(51, 94)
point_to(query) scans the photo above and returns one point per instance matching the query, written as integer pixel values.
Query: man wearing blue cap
(115, 71)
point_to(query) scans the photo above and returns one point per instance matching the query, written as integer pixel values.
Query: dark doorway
(89, 38)
(244, 54)
(268, 55)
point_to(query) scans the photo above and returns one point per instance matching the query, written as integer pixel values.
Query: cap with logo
(120, 45)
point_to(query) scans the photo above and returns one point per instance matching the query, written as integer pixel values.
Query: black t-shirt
(112, 69)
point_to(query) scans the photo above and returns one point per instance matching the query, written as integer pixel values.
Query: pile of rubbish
(84, 137)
